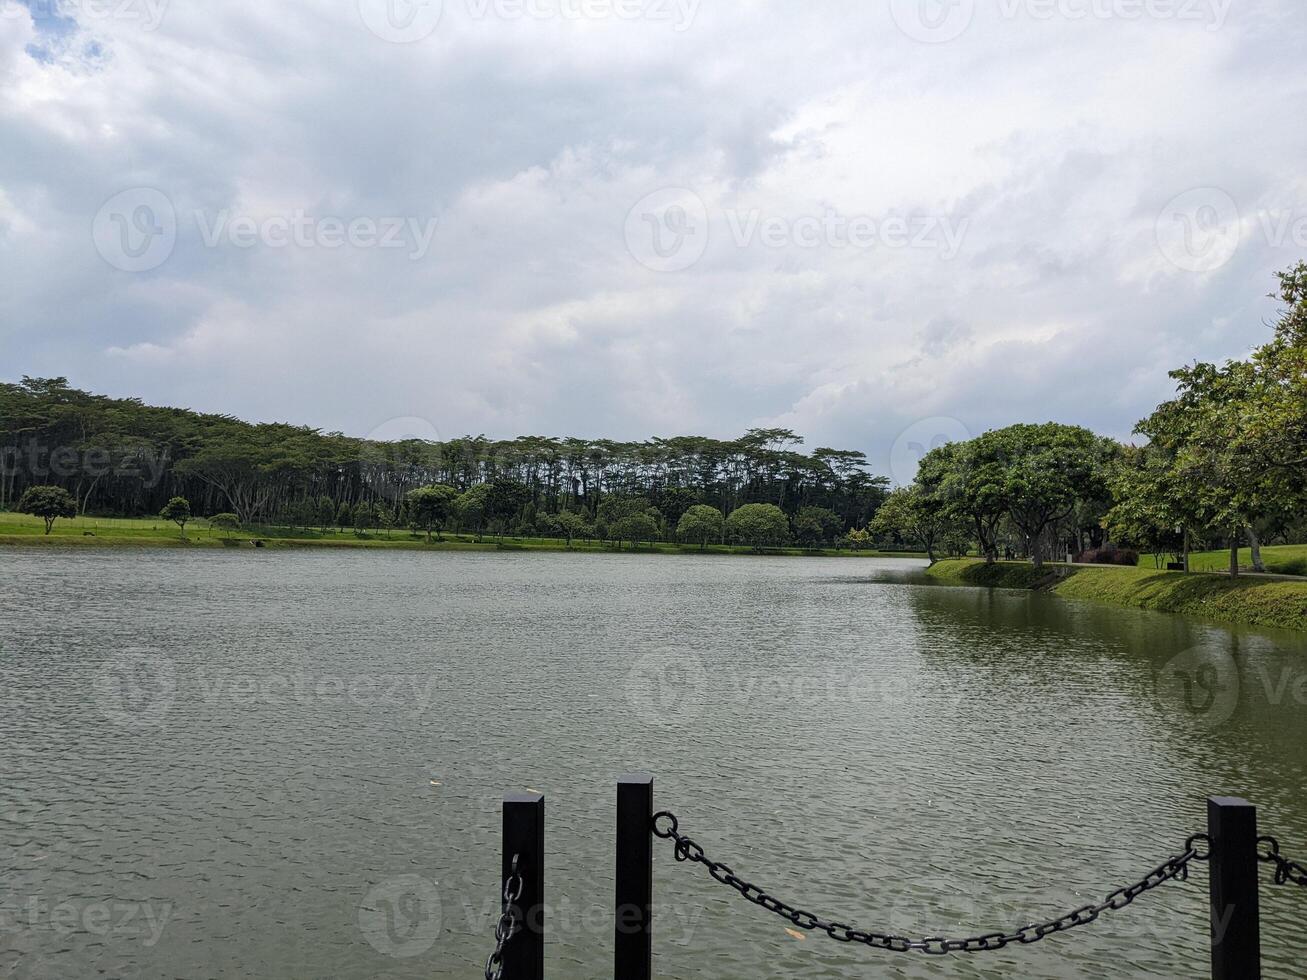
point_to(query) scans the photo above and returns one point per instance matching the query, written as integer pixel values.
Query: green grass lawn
(20, 529)
(1280, 559)
(1250, 601)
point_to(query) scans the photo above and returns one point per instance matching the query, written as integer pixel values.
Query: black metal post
(1236, 941)
(632, 942)
(524, 835)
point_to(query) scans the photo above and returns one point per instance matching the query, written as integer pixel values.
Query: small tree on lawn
(47, 503)
(228, 524)
(430, 507)
(701, 523)
(573, 525)
(364, 519)
(177, 510)
(758, 525)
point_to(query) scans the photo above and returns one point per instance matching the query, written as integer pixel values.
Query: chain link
(1286, 871)
(508, 925)
(1174, 867)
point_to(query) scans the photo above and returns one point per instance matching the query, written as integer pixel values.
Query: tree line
(122, 457)
(1224, 465)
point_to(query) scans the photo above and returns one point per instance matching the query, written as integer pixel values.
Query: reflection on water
(289, 765)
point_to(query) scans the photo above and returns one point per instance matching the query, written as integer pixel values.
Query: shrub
(1108, 556)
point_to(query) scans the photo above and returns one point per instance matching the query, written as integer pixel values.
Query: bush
(1108, 556)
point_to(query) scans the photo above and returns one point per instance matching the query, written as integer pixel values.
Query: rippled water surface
(290, 765)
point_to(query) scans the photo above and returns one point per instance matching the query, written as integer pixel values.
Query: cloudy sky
(628, 218)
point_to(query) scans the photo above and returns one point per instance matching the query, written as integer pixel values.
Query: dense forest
(122, 457)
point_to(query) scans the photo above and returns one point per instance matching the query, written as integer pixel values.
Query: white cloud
(1052, 146)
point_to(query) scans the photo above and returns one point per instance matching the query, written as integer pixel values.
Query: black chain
(1176, 867)
(1286, 871)
(508, 925)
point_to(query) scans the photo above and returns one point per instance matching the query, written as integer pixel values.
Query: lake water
(226, 764)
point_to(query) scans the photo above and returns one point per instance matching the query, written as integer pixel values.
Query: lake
(290, 765)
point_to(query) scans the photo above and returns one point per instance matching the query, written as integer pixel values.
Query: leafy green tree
(913, 514)
(228, 524)
(470, 508)
(701, 523)
(573, 525)
(758, 525)
(613, 512)
(968, 478)
(1046, 470)
(504, 501)
(47, 503)
(813, 525)
(177, 510)
(637, 527)
(364, 518)
(326, 512)
(344, 516)
(429, 508)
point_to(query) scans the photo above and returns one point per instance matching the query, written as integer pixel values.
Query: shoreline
(200, 539)
(1260, 601)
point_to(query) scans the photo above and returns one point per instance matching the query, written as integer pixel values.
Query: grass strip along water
(1247, 600)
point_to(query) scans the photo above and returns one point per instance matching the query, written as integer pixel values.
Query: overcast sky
(628, 218)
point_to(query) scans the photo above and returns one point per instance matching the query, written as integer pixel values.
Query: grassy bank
(102, 532)
(1248, 601)
(1280, 559)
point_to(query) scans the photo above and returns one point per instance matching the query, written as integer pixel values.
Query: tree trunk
(1234, 556)
(1255, 543)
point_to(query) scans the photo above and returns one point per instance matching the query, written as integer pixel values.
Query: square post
(1236, 941)
(632, 931)
(524, 835)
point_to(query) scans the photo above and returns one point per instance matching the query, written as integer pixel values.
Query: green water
(226, 765)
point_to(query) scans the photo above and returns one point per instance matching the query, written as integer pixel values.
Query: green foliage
(127, 458)
(229, 524)
(815, 525)
(177, 510)
(429, 508)
(758, 525)
(573, 525)
(916, 515)
(47, 503)
(471, 507)
(701, 523)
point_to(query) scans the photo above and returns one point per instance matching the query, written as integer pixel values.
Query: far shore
(114, 532)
